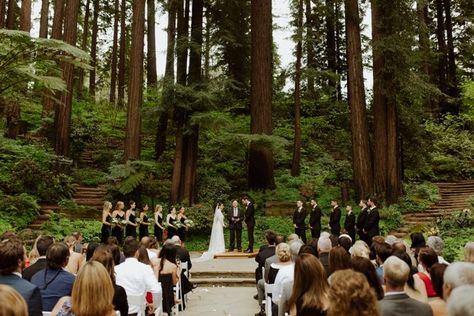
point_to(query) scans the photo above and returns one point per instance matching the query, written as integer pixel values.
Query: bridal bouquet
(189, 223)
(118, 221)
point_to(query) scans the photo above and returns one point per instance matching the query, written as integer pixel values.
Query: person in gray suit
(396, 302)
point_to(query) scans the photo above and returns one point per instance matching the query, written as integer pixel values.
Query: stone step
(235, 255)
(89, 195)
(95, 203)
(224, 282)
(35, 226)
(222, 275)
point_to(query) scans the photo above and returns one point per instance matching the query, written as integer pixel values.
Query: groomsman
(371, 227)
(349, 223)
(250, 221)
(235, 217)
(315, 219)
(335, 218)
(361, 219)
(298, 221)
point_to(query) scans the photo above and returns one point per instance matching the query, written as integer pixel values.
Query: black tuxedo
(361, 219)
(39, 265)
(235, 226)
(335, 221)
(315, 221)
(250, 221)
(349, 226)
(264, 253)
(371, 227)
(298, 220)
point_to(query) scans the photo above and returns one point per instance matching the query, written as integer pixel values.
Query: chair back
(137, 301)
(268, 299)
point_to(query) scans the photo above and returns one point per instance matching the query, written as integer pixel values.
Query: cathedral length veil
(216, 243)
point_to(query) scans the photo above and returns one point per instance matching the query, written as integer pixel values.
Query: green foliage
(418, 197)
(17, 211)
(59, 227)
(127, 177)
(90, 176)
(390, 219)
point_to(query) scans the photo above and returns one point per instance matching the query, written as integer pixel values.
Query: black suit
(235, 226)
(298, 219)
(349, 226)
(401, 305)
(315, 221)
(30, 292)
(250, 221)
(371, 227)
(36, 267)
(361, 220)
(264, 253)
(335, 221)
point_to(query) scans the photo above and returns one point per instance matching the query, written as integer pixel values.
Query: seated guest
(12, 303)
(345, 241)
(396, 302)
(310, 287)
(75, 259)
(12, 260)
(437, 244)
(350, 294)
(266, 251)
(78, 244)
(168, 275)
(391, 239)
(365, 266)
(382, 252)
(469, 252)
(42, 245)
(308, 249)
(414, 288)
(438, 305)
(147, 243)
(278, 240)
(360, 249)
(183, 255)
(324, 246)
(427, 257)
(91, 247)
(91, 295)
(456, 275)
(417, 242)
(54, 281)
(460, 302)
(339, 259)
(103, 255)
(136, 278)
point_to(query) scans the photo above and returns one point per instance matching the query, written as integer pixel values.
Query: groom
(235, 217)
(250, 221)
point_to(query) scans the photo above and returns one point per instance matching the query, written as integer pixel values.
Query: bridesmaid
(171, 221)
(106, 222)
(130, 217)
(118, 213)
(143, 228)
(182, 230)
(159, 223)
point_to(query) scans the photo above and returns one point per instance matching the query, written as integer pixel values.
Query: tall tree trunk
(2, 13)
(295, 165)
(12, 114)
(260, 165)
(11, 15)
(95, 31)
(339, 66)
(424, 43)
(85, 35)
(63, 111)
(182, 44)
(135, 88)
(310, 54)
(177, 166)
(114, 60)
(394, 184)
(43, 31)
(207, 48)
(152, 77)
(442, 49)
(361, 159)
(122, 50)
(451, 74)
(25, 16)
(168, 84)
(331, 42)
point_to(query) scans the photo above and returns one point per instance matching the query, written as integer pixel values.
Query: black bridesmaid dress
(131, 230)
(182, 230)
(158, 230)
(171, 230)
(117, 231)
(105, 230)
(143, 229)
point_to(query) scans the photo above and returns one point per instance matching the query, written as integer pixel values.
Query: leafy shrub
(18, 211)
(59, 227)
(83, 132)
(390, 219)
(419, 197)
(212, 188)
(90, 177)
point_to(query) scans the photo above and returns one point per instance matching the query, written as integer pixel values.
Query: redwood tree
(2, 13)
(114, 59)
(85, 36)
(135, 86)
(43, 31)
(11, 15)
(152, 77)
(95, 32)
(122, 49)
(260, 159)
(25, 16)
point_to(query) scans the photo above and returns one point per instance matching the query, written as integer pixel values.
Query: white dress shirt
(137, 279)
(284, 274)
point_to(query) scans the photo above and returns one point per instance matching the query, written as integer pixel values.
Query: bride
(216, 243)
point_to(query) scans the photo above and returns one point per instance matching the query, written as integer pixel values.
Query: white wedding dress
(216, 243)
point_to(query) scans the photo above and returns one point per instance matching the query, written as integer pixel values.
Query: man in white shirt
(137, 279)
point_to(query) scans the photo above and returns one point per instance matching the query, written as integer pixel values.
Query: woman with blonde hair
(118, 214)
(158, 232)
(282, 251)
(91, 295)
(310, 295)
(106, 222)
(75, 259)
(351, 295)
(11, 302)
(469, 252)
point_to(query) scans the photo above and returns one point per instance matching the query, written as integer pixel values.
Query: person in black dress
(183, 228)
(130, 217)
(158, 232)
(335, 219)
(361, 219)
(299, 217)
(315, 219)
(143, 228)
(106, 222)
(171, 221)
(119, 214)
(349, 223)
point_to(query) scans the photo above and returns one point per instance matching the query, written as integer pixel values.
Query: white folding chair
(179, 295)
(47, 314)
(268, 299)
(137, 301)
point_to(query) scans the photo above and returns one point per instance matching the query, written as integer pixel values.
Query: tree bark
(424, 43)
(43, 31)
(85, 35)
(25, 16)
(63, 111)
(310, 54)
(361, 159)
(95, 32)
(182, 44)
(331, 43)
(296, 161)
(11, 15)
(177, 166)
(152, 77)
(2, 13)
(135, 88)
(260, 165)
(122, 50)
(451, 73)
(442, 49)
(114, 60)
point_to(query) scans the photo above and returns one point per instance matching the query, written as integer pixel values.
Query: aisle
(228, 301)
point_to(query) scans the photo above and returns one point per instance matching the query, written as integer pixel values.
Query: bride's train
(216, 243)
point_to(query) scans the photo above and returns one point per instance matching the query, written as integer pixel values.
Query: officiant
(235, 216)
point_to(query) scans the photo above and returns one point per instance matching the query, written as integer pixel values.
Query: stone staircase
(223, 279)
(454, 196)
(91, 197)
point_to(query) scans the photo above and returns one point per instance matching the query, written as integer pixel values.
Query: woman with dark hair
(130, 217)
(417, 242)
(415, 288)
(158, 232)
(182, 230)
(366, 267)
(438, 305)
(427, 258)
(143, 228)
(168, 275)
(91, 247)
(339, 259)
(171, 221)
(310, 295)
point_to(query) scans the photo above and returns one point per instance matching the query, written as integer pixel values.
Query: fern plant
(128, 176)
